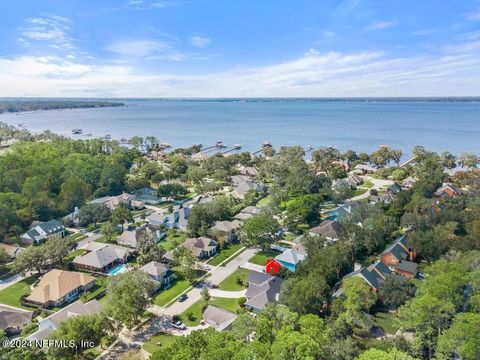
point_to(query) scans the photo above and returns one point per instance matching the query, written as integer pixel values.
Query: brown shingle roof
(56, 284)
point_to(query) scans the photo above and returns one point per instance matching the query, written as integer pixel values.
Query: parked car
(179, 325)
(182, 298)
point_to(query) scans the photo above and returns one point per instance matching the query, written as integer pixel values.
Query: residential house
(72, 219)
(354, 180)
(329, 229)
(241, 190)
(262, 289)
(51, 323)
(112, 202)
(131, 237)
(178, 219)
(12, 319)
(240, 179)
(247, 213)
(394, 189)
(448, 190)
(373, 275)
(218, 318)
(103, 258)
(290, 259)
(58, 287)
(408, 183)
(226, 231)
(248, 171)
(43, 231)
(147, 196)
(398, 257)
(12, 250)
(159, 272)
(365, 169)
(201, 247)
(342, 212)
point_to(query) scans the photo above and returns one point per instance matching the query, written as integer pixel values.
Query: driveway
(11, 280)
(83, 243)
(217, 275)
(377, 185)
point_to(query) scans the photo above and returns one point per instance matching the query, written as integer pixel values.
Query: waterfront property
(103, 258)
(43, 230)
(58, 287)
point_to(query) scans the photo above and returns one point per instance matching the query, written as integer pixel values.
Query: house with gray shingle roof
(329, 229)
(12, 320)
(373, 275)
(159, 272)
(43, 231)
(218, 318)
(51, 323)
(103, 258)
(262, 289)
(290, 259)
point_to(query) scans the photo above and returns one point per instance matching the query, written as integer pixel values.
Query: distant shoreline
(20, 106)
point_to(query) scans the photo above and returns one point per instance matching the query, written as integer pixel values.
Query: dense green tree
(77, 330)
(128, 295)
(57, 248)
(32, 258)
(186, 262)
(92, 214)
(462, 338)
(260, 230)
(307, 295)
(395, 291)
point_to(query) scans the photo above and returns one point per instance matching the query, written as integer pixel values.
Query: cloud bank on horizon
(180, 48)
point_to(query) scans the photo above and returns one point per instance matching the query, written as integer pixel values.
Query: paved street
(217, 275)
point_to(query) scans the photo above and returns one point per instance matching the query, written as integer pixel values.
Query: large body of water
(355, 124)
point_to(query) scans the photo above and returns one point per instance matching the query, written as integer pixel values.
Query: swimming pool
(118, 269)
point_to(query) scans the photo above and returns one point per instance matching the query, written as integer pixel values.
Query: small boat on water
(165, 145)
(89, 134)
(21, 124)
(108, 137)
(266, 143)
(237, 146)
(77, 131)
(123, 141)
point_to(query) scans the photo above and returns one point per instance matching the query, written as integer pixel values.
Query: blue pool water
(117, 269)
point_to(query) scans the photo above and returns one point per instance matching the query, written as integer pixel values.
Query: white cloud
(474, 16)
(51, 28)
(147, 4)
(199, 41)
(136, 48)
(380, 25)
(312, 74)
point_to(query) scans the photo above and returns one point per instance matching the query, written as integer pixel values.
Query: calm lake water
(357, 125)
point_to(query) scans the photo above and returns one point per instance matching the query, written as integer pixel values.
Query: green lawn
(261, 257)
(158, 341)
(78, 236)
(74, 254)
(196, 309)
(367, 184)
(225, 254)
(385, 320)
(172, 236)
(11, 295)
(230, 283)
(102, 239)
(359, 191)
(264, 202)
(100, 285)
(165, 296)
(226, 303)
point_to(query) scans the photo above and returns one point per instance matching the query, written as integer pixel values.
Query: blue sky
(206, 48)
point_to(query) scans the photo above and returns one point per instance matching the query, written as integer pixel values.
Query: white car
(179, 325)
